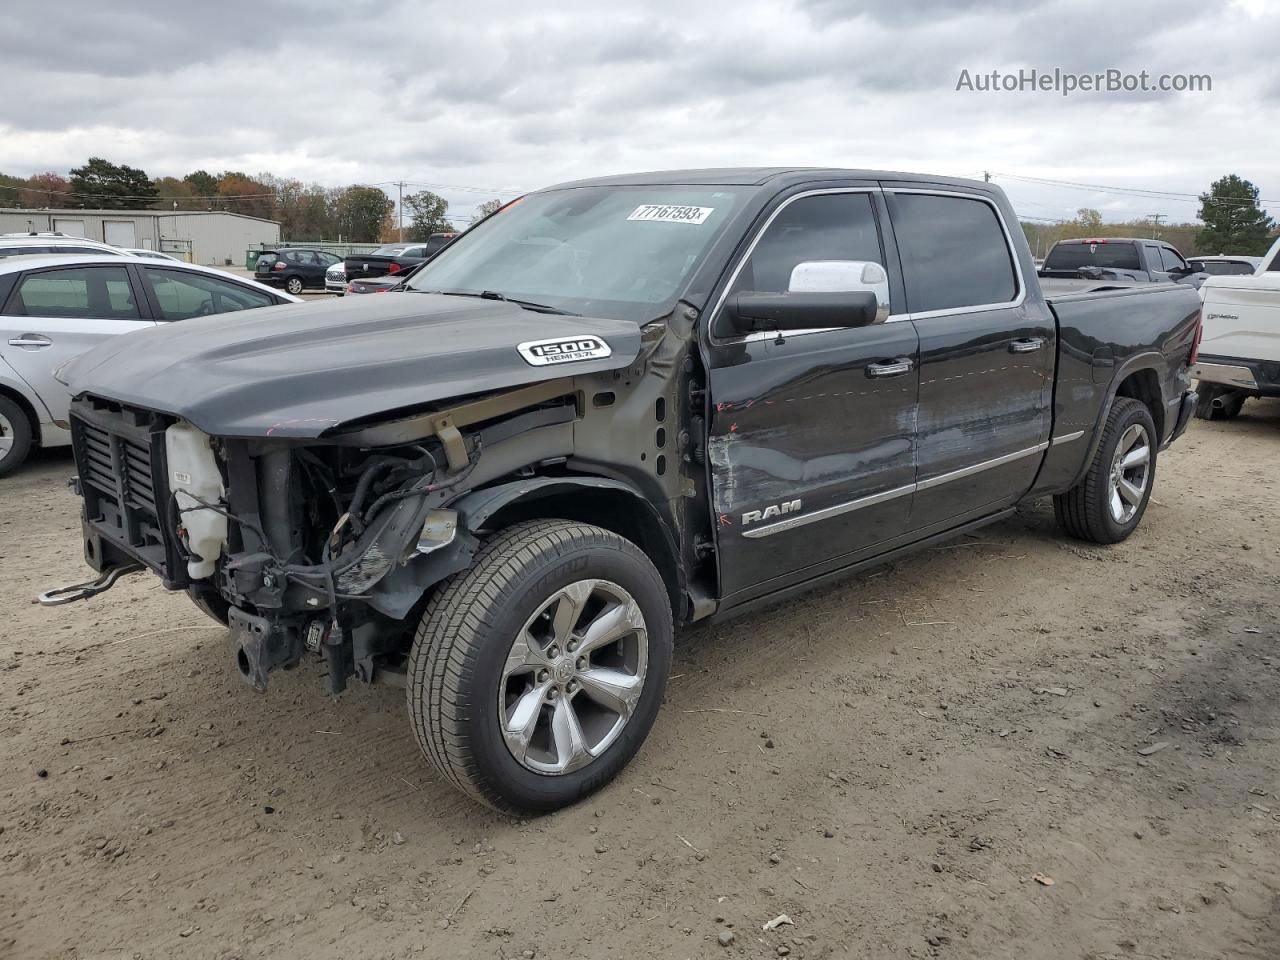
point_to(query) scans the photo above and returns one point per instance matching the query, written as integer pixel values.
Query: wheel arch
(1138, 379)
(610, 504)
(27, 407)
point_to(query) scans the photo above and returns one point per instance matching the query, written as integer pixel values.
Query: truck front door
(987, 352)
(812, 442)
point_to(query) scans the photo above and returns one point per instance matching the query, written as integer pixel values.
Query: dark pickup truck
(394, 258)
(612, 409)
(1119, 258)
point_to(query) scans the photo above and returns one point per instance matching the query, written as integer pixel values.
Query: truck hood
(301, 369)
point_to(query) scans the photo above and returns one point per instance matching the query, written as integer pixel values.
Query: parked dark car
(623, 406)
(294, 268)
(395, 258)
(377, 284)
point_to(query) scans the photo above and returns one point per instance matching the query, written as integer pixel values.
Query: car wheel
(1219, 403)
(293, 285)
(1108, 504)
(536, 674)
(15, 436)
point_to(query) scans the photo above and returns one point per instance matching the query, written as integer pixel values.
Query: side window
(328, 259)
(20, 251)
(1154, 260)
(1241, 268)
(834, 226)
(306, 258)
(1172, 261)
(81, 293)
(181, 295)
(93, 250)
(954, 252)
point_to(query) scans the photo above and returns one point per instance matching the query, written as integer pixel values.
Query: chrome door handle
(890, 368)
(1029, 345)
(31, 340)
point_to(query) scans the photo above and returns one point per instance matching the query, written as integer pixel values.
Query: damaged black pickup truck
(615, 407)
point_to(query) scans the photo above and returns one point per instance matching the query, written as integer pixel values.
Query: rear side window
(83, 293)
(1073, 256)
(21, 251)
(182, 295)
(64, 248)
(954, 252)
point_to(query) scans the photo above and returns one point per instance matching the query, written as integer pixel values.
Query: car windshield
(608, 251)
(391, 250)
(1072, 256)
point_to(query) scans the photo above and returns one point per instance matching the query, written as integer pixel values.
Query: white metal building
(210, 237)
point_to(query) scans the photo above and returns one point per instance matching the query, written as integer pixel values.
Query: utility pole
(1155, 224)
(986, 176)
(400, 210)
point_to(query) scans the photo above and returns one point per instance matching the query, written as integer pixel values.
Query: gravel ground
(1011, 746)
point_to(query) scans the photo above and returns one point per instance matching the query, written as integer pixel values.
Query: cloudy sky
(494, 97)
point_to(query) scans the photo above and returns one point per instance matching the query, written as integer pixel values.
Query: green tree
(427, 211)
(10, 188)
(488, 207)
(1233, 221)
(1090, 220)
(172, 189)
(101, 183)
(203, 184)
(359, 213)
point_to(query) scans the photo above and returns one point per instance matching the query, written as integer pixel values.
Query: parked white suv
(56, 307)
(1240, 344)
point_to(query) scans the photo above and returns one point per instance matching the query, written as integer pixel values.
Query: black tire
(1218, 403)
(19, 434)
(1084, 511)
(293, 285)
(465, 636)
(212, 605)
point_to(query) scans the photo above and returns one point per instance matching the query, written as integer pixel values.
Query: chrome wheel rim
(6, 436)
(573, 677)
(1130, 473)
(295, 286)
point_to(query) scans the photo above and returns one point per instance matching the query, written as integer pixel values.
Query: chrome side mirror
(843, 276)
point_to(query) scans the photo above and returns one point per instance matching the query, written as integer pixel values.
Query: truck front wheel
(536, 673)
(1107, 505)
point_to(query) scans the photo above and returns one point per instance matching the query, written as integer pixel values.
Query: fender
(1148, 360)
(646, 527)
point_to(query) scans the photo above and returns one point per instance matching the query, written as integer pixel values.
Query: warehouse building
(213, 237)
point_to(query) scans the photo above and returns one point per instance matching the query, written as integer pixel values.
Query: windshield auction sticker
(669, 213)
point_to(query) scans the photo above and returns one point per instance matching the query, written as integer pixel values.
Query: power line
(1136, 191)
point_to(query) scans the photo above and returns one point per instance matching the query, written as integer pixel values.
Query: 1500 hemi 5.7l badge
(541, 353)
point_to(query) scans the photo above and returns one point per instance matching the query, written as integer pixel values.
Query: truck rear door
(987, 353)
(812, 441)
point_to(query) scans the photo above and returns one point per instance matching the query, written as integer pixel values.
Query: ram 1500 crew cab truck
(1241, 357)
(1119, 258)
(615, 407)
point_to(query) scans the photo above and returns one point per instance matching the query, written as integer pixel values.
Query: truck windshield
(1073, 256)
(607, 251)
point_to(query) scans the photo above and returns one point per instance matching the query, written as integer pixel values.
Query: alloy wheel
(1130, 473)
(573, 677)
(6, 436)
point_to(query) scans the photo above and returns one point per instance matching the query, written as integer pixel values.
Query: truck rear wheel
(536, 674)
(1108, 504)
(1218, 403)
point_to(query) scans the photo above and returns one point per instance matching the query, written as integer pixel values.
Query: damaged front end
(321, 545)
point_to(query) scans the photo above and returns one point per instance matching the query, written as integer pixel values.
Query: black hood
(303, 368)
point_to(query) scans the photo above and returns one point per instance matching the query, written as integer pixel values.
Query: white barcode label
(670, 213)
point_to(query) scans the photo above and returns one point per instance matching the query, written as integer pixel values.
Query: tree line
(1231, 222)
(357, 213)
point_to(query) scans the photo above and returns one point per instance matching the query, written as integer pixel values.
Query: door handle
(890, 368)
(31, 340)
(1029, 345)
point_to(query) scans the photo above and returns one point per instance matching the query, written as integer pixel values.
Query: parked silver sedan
(54, 307)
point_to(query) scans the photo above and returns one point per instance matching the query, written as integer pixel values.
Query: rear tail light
(394, 268)
(278, 265)
(1194, 358)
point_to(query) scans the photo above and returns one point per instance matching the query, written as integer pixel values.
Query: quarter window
(954, 252)
(182, 295)
(83, 293)
(1172, 261)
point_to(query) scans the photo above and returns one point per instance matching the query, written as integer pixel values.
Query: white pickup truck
(1240, 346)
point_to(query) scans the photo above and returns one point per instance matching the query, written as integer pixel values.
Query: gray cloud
(496, 92)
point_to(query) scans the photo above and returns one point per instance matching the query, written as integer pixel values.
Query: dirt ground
(944, 758)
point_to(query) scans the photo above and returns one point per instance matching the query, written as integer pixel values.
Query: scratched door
(812, 437)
